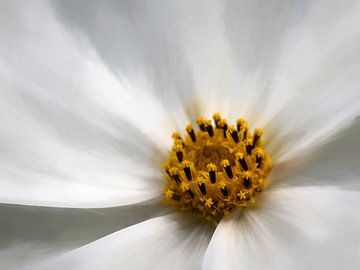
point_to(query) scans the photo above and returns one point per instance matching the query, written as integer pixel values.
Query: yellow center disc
(216, 169)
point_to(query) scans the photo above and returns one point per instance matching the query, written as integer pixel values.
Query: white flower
(90, 93)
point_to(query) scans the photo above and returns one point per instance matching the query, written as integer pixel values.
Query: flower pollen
(216, 169)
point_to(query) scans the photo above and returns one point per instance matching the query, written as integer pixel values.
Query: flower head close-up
(179, 135)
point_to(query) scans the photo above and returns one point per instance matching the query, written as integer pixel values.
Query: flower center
(216, 169)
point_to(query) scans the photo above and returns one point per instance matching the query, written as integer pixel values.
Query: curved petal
(200, 57)
(293, 228)
(317, 80)
(142, 40)
(290, 68)
(235, 58)
(170, 241)
(30, 232)
(242, 58)
(62, 142)
(334, 164)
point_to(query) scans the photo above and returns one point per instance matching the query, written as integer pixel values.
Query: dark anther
(245, 134)
(249, 148)
(259, 160)
(229, 172)
(176, 178)
(202, 188)
(235, 136)
(256, 139)
(210, 130)
(240, 124)
(187, 172)
(217, 119)
(224, 191)
(212, 175)
(190, 193)
(247, 182)
(202, 127)
(225, 127)
(179, 156)
(192, 135)
(201, 122)
(243, 164)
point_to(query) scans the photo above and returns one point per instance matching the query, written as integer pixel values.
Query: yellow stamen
(184, 186)
(176, 135)
(201, 121)
(169, 193)
(216, 169)
(209, 202)
(241, 124)
(242, 194)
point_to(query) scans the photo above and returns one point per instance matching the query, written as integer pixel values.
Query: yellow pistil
(242, 195)
(169, 193)
(209, 203)
(216, 169)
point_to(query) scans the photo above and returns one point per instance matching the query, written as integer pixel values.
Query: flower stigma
(216, 169)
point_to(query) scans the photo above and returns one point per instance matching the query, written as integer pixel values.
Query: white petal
(334, 164)
(165, 242)
(242, 58)
(29, 232)
(293, 228)
(142, 40)
(290, 68)
(62, 142)
(320, 67)
(192, 56)
(237, 53)
(282, 66)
